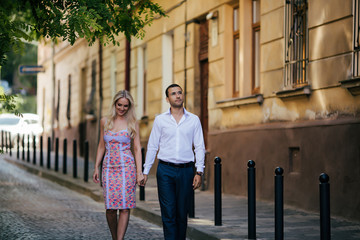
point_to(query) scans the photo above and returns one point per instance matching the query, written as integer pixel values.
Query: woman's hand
(139, 178)
(96, 176)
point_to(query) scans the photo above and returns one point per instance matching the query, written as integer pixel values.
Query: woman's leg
(124, 215)
(111, 217)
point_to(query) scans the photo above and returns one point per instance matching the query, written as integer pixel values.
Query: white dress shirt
(175, 141)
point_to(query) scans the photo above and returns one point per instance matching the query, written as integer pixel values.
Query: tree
(27, 20)
(68, 20)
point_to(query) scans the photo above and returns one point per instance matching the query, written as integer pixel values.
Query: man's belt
(177, 165)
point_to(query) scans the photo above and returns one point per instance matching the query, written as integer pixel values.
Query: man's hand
(196, 182)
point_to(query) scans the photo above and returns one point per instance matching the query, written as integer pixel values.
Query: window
(58, 102)
(236, 47)
(113, 74)
(296, 43)
(356, 43)
(68, 108)
(142, 82)
(167, 66)
(255, 85)
(90, 104)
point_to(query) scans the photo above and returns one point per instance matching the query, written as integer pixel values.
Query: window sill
(236, 102)
(296, 92)
(90, 117)
(352, 85)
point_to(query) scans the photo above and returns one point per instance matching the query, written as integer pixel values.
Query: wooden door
(204, 77)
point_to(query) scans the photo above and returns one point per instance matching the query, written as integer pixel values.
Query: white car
(28, 124)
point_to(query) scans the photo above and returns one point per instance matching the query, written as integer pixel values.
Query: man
(176, 134)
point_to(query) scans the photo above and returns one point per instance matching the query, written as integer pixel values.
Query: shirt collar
(186, 113)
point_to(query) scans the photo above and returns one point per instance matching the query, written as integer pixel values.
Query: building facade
(273, 81)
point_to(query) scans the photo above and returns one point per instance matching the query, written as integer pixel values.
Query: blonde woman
(120, 171)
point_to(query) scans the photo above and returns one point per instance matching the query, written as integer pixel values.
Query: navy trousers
(174, 189)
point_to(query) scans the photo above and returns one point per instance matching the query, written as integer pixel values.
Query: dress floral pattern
(119, 171)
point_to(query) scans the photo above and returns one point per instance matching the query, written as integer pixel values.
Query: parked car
(28, 124)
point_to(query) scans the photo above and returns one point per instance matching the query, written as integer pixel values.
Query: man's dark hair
(171, 86)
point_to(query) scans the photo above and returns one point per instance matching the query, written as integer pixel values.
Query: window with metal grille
(236, 47)
(356, 43)
(296, 43)
(256, 46)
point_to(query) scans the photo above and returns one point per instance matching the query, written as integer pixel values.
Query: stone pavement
(36, 208)
(298, 224)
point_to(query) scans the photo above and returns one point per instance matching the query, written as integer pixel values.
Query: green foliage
(8, 104)
(26, 104)
(9, 71)
(68, 20)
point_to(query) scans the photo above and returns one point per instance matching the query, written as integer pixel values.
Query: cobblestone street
(35, 208)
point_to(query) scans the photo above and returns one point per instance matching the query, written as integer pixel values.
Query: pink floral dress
(119, 171)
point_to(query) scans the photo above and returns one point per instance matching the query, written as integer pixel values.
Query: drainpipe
(185, 46)
(127, 66)
(53, 94)
(100, 88)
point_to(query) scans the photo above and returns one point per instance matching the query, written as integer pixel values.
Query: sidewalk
(297, 224)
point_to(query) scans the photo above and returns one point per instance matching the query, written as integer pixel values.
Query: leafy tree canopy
(68, 20)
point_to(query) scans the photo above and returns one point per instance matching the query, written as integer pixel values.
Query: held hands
(196, 182)
(140, 179)
(144, 180)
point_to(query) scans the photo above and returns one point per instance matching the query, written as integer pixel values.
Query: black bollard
(41, 152)
(279, 204)
(10, 144)
(251, 200)
(324, 188)
(23, 147)
(34, 150)
(86, 162)
(18, 147)
(74, 159)
(217, 191)
(142, 188)
(49, 153)
(2, 140)
(6, 142)
(28, 148)
(65, 156)
(56, 154)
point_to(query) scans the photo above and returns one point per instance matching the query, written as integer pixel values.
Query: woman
(120, 172)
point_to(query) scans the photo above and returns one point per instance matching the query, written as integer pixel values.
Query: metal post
(279, 204)
(41, 152)
(49, 153)
(251, 200)
(23, 147)
(2, 140)
(34, 151)
(324, 187)
(217, 191)
(142, 188)
(10, 144)
(65, 156)
(86, 162)
(74, 159)
(56, 154)
(28, 148)
(6, 142)
(18, 147)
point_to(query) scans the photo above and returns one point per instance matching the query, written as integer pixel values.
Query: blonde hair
(130, 115)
